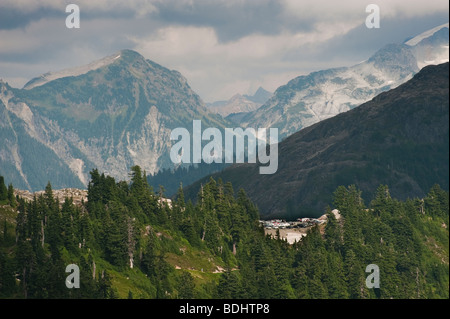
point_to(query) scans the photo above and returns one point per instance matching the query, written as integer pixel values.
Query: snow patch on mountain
(431, 47)
(76, 71)
(77, 166)
(319, 95)
(414, 41)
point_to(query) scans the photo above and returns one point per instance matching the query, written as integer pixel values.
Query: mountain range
(119, 111)
(311, 98)
(240, 103)
(400, 139)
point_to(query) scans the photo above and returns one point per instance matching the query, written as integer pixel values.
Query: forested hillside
(400, 139)
(128, 243)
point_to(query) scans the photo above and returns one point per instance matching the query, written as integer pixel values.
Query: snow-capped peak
(431, 47)
(426, 34)
(50, 76)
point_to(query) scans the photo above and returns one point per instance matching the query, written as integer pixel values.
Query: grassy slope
(182, 257)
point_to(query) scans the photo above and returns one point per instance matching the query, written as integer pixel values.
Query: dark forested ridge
(129, 243)
(400, 138)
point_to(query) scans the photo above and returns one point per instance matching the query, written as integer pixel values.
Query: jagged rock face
(309, 99)
(111, 115)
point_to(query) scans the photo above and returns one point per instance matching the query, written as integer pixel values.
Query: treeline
(125, 230)
(408, 241)
(170, 179)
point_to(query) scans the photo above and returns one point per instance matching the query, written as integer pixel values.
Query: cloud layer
(223, 47)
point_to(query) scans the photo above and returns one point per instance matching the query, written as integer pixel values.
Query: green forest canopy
(130, 244)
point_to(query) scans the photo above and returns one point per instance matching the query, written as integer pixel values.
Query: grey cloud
(12, 18)
(230, 21)
(107, 29)
(54, 40)
(17, 17)
(361, 42)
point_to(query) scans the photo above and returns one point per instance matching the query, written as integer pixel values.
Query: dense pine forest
(129, 243)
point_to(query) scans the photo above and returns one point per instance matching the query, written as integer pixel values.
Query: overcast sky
(222, 47)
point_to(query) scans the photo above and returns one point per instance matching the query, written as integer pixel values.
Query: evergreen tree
(5, 232)
(7, 280)
(382, 201)
(336, 280)
(137, 181)
(116, 237)
(11, 197)
(178, 209)
(94, 189)
(301, 282)
(54, 230)
(21, 222)
(333, 233)
(149, 257)
(3, 189)
(188, 227)
(26, 259)
(35, 222)
(229, 286)
(186, 286)
(316, 289)
(354, 272)
(437, 202)
(68, 222)
(389, 279)
(105, 290)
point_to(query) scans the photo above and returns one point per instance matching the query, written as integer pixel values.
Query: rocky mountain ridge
(118, 114)
(319, 95)
(240, 103)
(400, 139)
